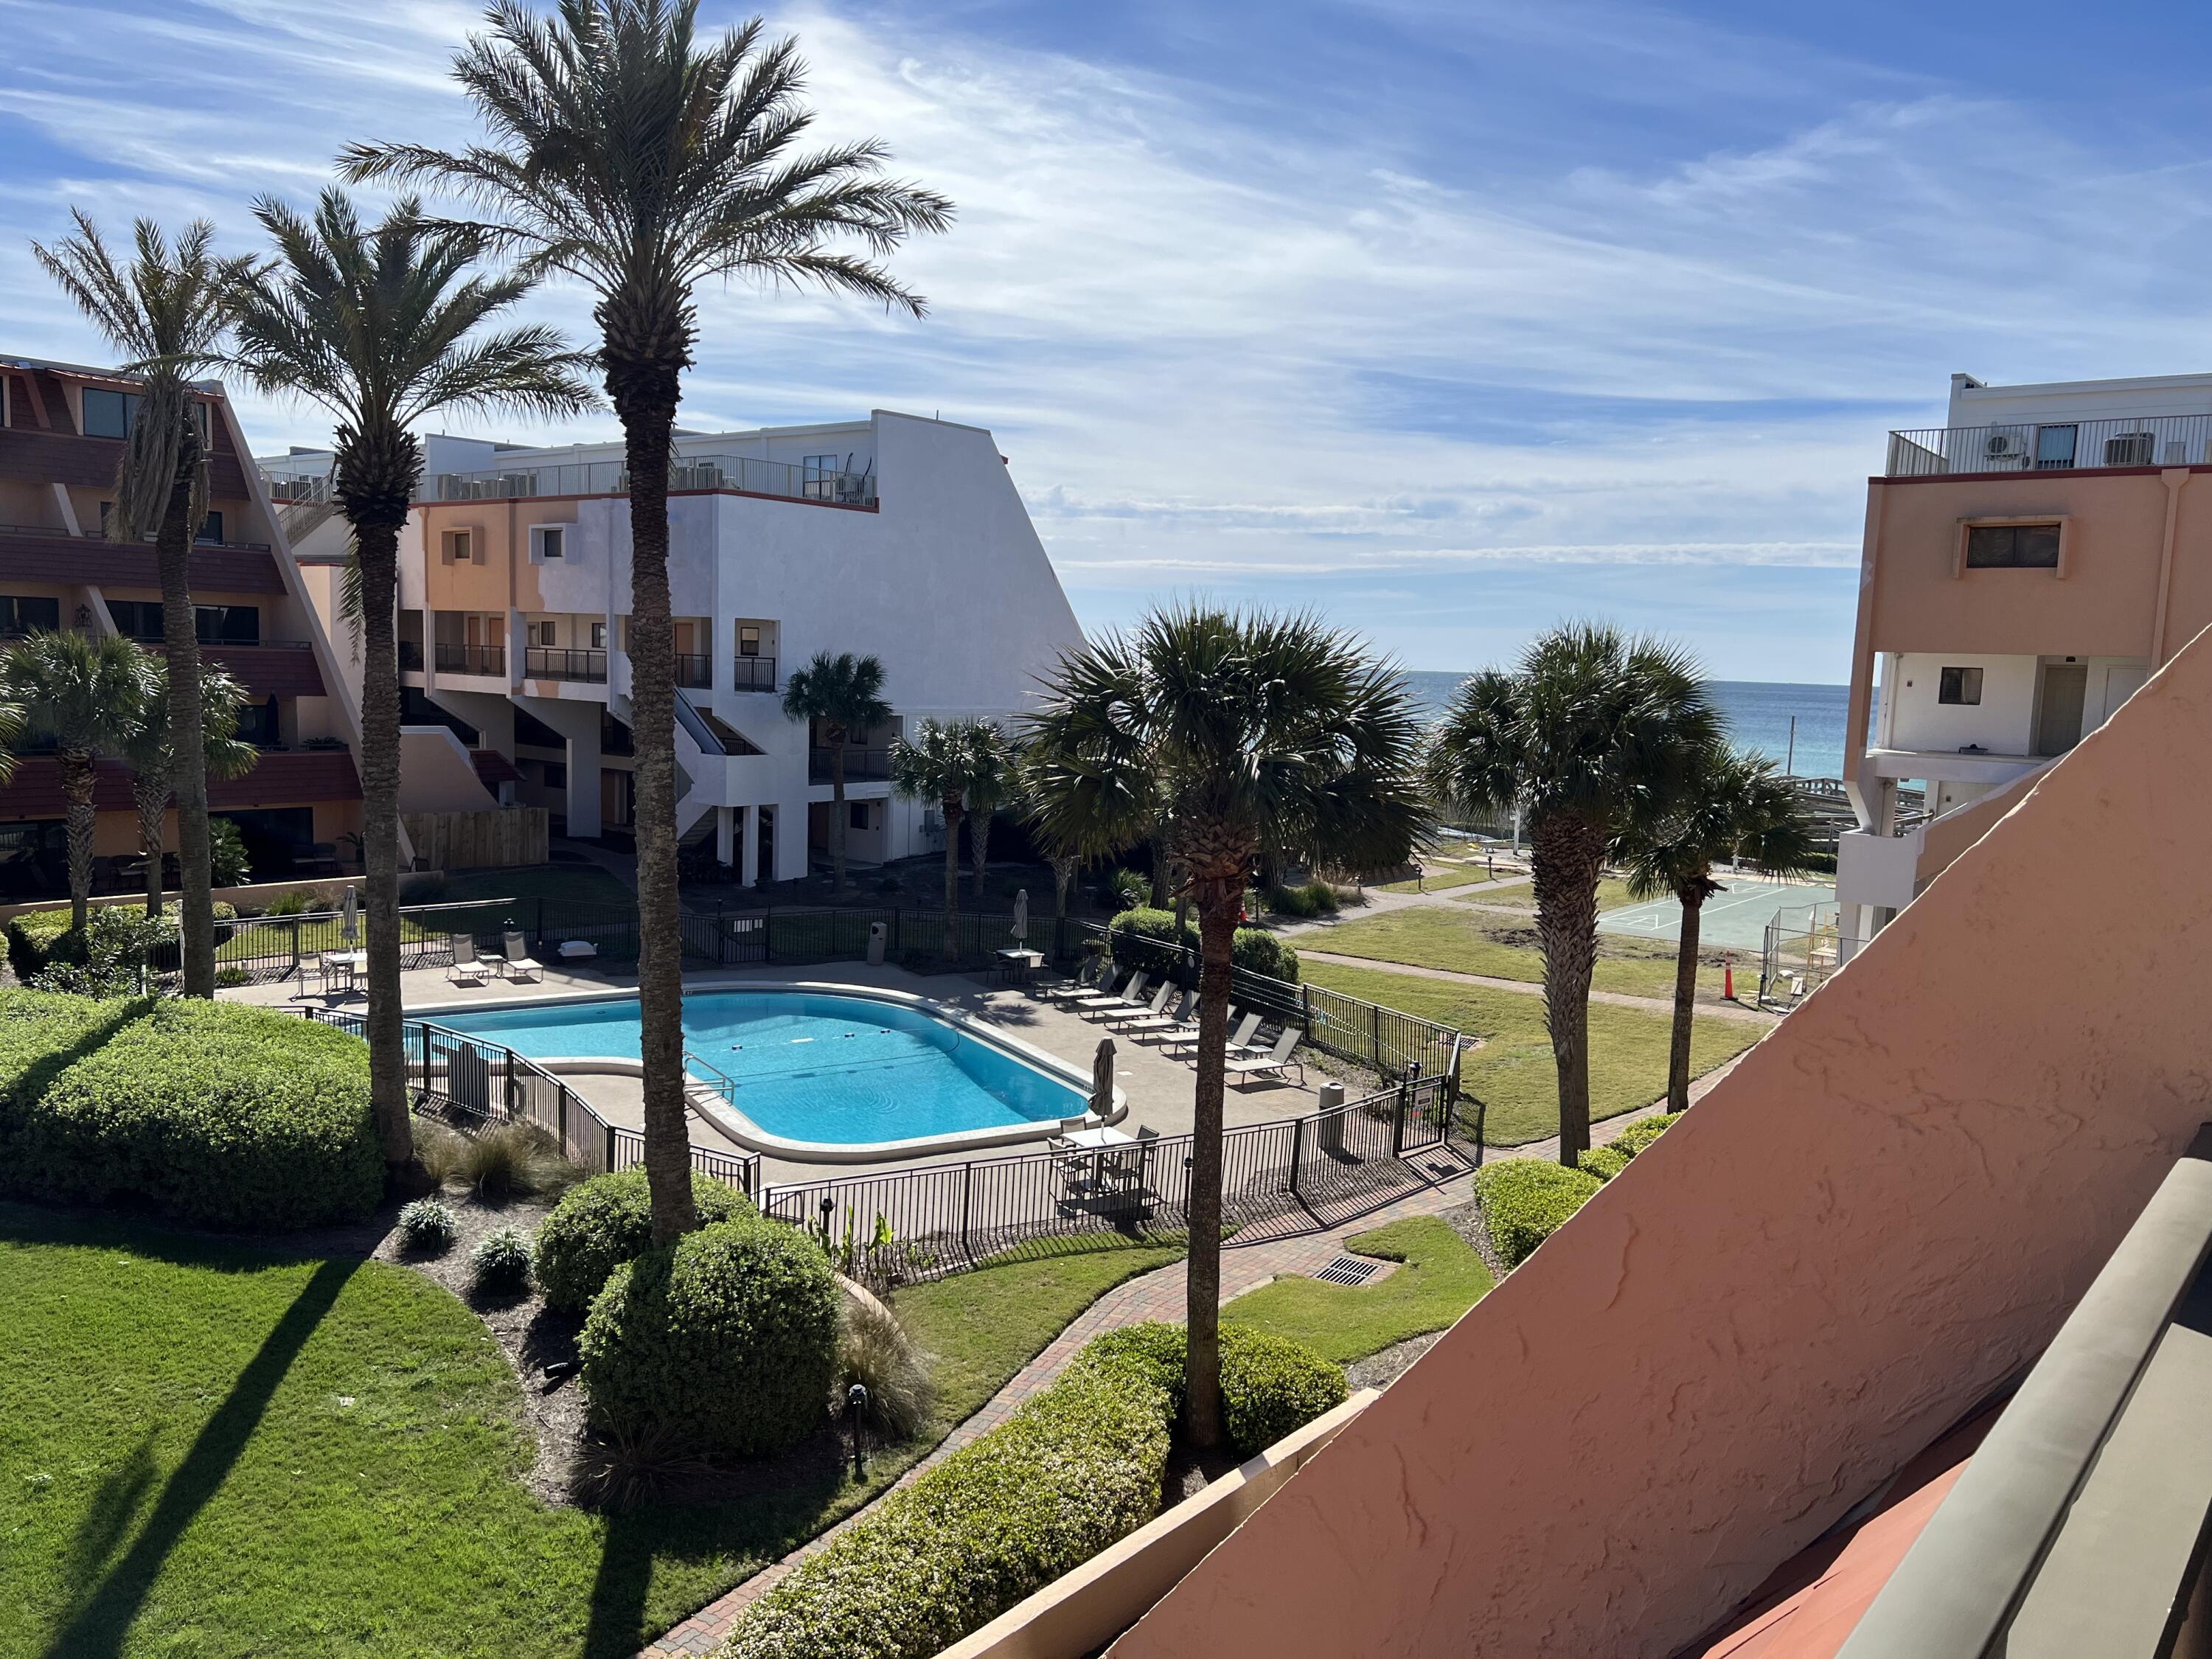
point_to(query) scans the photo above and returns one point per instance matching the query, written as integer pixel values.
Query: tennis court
(1734, 920)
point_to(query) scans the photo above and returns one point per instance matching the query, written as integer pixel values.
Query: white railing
(739, 473)
(2051, 446)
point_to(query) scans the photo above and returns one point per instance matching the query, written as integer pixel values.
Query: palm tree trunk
(645, 396)
(837, 812)
(151, 796)
(172, 553)
(1686, 997)
(979, 849)
(379, 835)
(952, 877)
(1216, 933)
(1063, 878)
(78, 816)
(1159, 872)
(1567, 856)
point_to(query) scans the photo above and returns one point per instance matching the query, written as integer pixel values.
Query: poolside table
(350, 964)
(1017, 965)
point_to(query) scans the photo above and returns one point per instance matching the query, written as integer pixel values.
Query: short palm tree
(1589, 732)
(1246, 729)
(87, 698)
(994, 783)
(641, 161)
(384, 325)
(1738, 807)
(166, 310)
(153, 761)
(845, 694)
(940, 763)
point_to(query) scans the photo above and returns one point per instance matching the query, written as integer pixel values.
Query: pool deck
(1159, 1089)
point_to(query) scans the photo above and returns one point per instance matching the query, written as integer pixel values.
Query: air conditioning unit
(2005, 446)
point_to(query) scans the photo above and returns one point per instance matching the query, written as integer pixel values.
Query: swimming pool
(817, 1069)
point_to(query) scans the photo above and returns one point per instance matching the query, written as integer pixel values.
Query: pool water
(846, 1071)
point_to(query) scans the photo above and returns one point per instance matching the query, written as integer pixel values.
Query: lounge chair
(1159, 1023)
(1084, 978)
(1099, 990)
(1132, 996)
(1121, 1017)
(1276, 1062)
(1239, 1037)
(468, 967)
(521, 964)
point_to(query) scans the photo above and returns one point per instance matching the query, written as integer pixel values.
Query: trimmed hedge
(37, 939)
(725, 1342)
(1144, 937)
(1270, 1385)
(608, 1220)
(1524, 1200)
(1646, 1130)
(1604, 1161)
(214, 1112)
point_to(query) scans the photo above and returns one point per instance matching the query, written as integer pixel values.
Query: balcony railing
(472, 658)
(552, 662)
(316, 489)
(740, 472)
(2052, 446)
(61, 533)
(694, 669)
(861, 765)
(754, 674)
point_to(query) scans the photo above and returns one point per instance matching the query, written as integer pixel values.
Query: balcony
(861, 765)
(741, 474)
(2051, 446)
(42, 553)
(694, 669)
(754, 674)
(552, 662)
(471, 659)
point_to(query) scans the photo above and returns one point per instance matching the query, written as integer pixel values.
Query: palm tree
(940, 763)
(381, 325)
(845, 694)
(87, 698)
(1591, 733)
(1029, 800)
(1232, 729)
(165, 310)
(1738, 807)
(153, 763)
(641, 162)
(994, 784)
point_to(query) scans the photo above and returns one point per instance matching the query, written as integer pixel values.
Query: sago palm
(1589, 732)
(940, 763)
(640, 160)
(86, 698)
(384, 325)
(1234, 731)
(1738, 807)
(152, 760)
(845, 694)
(166, 309)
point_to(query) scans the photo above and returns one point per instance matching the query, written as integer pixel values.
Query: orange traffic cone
(1728, 978)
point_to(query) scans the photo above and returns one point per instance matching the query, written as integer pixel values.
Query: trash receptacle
(875, 936)
(1332, 1122)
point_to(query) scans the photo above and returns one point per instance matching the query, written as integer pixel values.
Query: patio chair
(468, 967)
(1099, 990)
(1072, 1165)
(1131, 996)
(521, 964)
(1121, 1017)
(1082, 983)
(1240, 1037)
(1276, 1062)
(1160, 1022)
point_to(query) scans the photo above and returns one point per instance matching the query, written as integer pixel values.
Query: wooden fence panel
(498, 838)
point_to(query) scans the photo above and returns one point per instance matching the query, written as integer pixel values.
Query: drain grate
(1349, 1270)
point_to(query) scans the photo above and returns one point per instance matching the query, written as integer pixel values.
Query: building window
(598, 636)
(748, 639)
(458, 546)
(108, 414)
(821, 473)
(213, 624)
(860, 814)
(549, 634)
(211, 528)
(27, 614)
(547, 542)
(2054, 448)
(2012, 546)
(557, 774)
(1960, 685)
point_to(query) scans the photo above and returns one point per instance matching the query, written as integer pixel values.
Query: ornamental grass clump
(874, 1351)
(601, 1223)
(426, 1227)
(499, 1264)
(511, 1160)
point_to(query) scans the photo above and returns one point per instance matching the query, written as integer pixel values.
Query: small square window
(2012, 546)
(108, 414)
(1960, 685)
(859, 811)
(460, 546)
(549, 542)
(598, 636)
(748, 639)
(549, 634)
(557, 774)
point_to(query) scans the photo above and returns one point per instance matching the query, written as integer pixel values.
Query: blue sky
(1448, 320)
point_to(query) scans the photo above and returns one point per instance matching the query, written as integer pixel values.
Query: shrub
(874, 1351)
(726, 1338)
(500, 1263)
(1646, 1130)
(1270, 1386)
(214, 1112)
(1128, 888)
(1076, 1469)
(1258, 951)
(511, 1160)
(297, 902)
(1145, 938)
(1604, 1161)
(228, 863)
(1525, 1198)
(108, 957)
(1312, 898)
(605, 1221)
(426, 1227)
(121, 931)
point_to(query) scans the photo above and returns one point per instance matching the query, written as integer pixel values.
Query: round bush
(500, 1263)
(426, 1227)
(1270, 1386)
(1145, 938)
(605, 1221)
(1525, 1198)
(725, 1342)
(1646, 1130)
(1604, 1161)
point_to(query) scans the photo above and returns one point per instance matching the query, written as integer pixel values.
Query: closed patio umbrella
(1102, 1078)
(1022, 916)
(349, 916)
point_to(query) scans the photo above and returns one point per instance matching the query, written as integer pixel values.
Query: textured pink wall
(1887, 1209)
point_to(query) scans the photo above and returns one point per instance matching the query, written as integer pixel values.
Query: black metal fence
(260, 949)
(809, 933)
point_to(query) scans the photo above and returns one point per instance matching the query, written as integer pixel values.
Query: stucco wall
(1884, 1211)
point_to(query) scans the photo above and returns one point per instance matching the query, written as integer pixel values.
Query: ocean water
(1758, 714)
(848, 1069)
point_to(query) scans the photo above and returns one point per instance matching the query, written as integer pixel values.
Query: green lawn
(1612, 894)
(1436, 878)
(209, 1450)
(1442, 1278)
(1512, 1073)
(1472, 942)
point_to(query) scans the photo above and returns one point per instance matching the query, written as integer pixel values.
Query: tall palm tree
(995, 784)
(152, 761)
(1029, 801)
(383, 326)
(940, 763)
(1738, 807)
(1248, 728)
(87, 698)
(845, 694)
(1591, 731)
(641, 161)
(166, 310)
